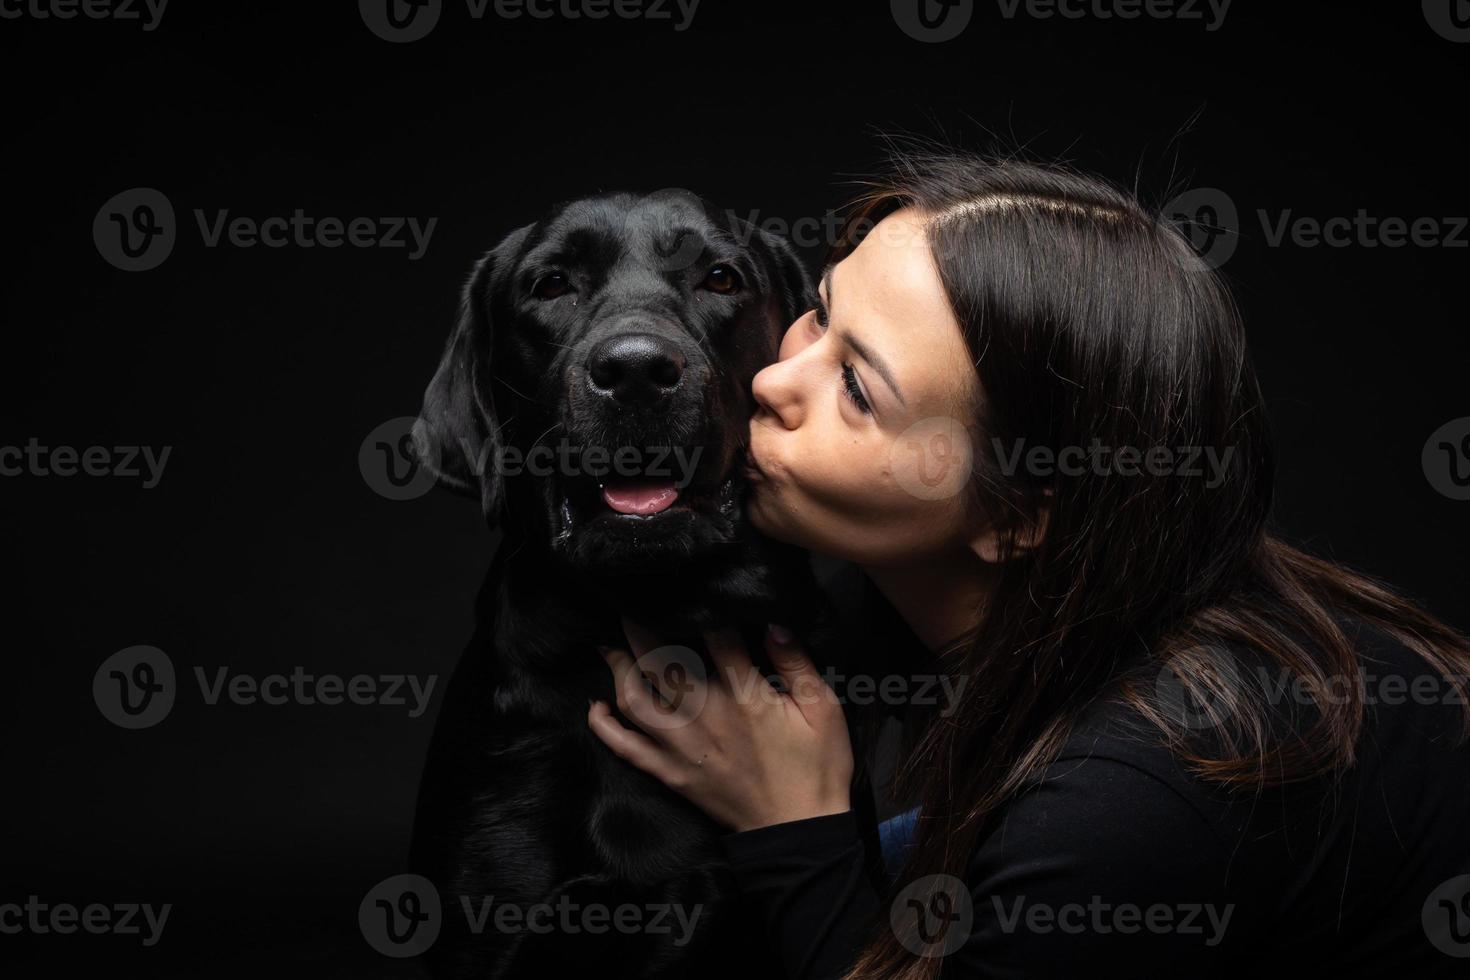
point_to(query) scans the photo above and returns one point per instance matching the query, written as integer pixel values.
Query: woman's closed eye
(849, 374)
(850, 384)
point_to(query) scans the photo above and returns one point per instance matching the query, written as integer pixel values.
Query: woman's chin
(757, 502)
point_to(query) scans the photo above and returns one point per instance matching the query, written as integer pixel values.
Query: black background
(263, 548)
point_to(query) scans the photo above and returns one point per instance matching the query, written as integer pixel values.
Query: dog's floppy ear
(457, 435)
(792, 286)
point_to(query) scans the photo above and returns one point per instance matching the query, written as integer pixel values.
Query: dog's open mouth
(639, 497)
(648, 501)
(644, 498)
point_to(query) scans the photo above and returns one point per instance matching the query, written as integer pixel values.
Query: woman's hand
(742, 751)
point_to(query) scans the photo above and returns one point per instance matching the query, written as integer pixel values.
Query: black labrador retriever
(595, 396)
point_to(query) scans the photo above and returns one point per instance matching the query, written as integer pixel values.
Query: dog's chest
(634, 827)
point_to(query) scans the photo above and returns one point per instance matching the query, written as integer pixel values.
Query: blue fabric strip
(896, 836)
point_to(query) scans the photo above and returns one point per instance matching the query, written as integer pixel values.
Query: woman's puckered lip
(753, 469)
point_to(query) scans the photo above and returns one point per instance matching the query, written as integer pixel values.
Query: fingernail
(779, 633)
(604, 650)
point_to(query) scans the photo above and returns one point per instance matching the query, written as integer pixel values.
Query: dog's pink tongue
(640, 498)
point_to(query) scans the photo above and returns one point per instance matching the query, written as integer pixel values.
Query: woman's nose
(775, 394)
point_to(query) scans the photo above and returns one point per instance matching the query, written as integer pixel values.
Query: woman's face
(860, 430)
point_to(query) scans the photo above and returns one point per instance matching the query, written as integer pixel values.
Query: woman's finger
(640, 638)
(676, 672)
(660, 697)
(733, 664)
(628, 682)
(803, 682)
(634, 747)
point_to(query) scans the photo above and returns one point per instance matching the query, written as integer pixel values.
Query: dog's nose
(635, 367)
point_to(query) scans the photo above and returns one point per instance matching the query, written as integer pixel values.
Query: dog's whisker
(537, 440)
(533, 401)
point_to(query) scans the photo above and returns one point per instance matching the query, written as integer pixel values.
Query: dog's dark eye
(722, 279)
(551, 285)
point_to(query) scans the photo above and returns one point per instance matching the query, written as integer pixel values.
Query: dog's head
(595, 391)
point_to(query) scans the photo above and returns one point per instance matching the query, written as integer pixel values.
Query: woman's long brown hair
(1090, 317)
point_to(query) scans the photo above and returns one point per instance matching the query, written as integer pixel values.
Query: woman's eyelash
(849, 381)
(849, 376)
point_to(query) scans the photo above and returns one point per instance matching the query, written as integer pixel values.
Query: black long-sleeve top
(1119, 861)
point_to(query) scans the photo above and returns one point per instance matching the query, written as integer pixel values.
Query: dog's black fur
(519, 803)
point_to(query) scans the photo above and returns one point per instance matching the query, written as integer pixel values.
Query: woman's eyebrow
(876, 363)
(863, 350)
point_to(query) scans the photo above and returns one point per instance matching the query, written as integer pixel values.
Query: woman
(1025, 410)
